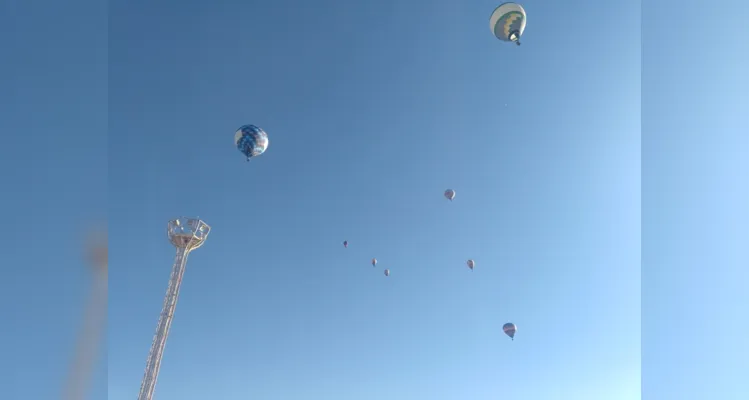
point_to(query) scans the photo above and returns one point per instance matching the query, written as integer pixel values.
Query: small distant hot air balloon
(450, 194)
(345, 244)
(510, 330)
(471, 264)
(387, 272)
(251, 141)
(508, 22)
(374, 262)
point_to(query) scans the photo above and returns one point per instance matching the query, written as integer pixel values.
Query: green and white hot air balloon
(508, 22)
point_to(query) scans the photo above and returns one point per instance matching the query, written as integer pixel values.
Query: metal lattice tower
(186, 234)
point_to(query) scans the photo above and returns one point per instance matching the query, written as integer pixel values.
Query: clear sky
(53, 137)
(373, 110)
(695, 199)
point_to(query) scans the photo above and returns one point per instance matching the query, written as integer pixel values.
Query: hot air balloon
(374, 262)
(450, 194)
(471, 264)
(508, 22)
(510, 330)
(387, 272)
(251, 141)
(345, 244)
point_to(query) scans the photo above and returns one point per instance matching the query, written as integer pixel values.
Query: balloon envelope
(387, 272)
(251, 140)
(507, 22)
(450, 194)
(374, 262)
(470, 264)
(510, 329)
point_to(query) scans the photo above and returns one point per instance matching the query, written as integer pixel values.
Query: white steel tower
(186, 234)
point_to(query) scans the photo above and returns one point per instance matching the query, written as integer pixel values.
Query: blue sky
(373, 110)
(53, 133)
(695, 199)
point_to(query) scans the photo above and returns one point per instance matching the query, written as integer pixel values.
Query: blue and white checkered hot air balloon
(508, 22)
(251, 141)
